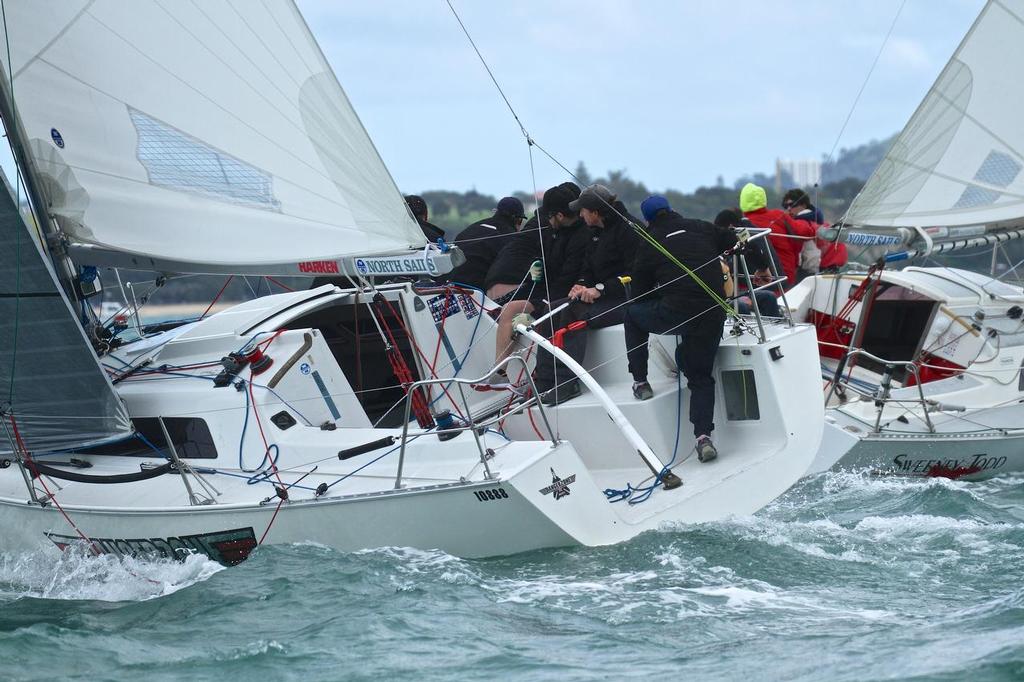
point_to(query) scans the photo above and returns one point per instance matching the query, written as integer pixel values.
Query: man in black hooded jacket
(483, 240)
(669, 300)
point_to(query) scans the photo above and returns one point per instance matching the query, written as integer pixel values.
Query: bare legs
(503, 340)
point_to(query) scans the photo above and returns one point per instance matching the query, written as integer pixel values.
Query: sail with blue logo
(197, 137)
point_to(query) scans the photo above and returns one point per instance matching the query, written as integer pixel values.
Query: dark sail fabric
(58, 393)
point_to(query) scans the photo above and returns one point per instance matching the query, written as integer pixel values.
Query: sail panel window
(181, 162)
(999, 170)
(191, 437)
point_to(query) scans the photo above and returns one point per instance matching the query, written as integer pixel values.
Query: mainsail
(50, 381)
(210, 135)
(959, 162)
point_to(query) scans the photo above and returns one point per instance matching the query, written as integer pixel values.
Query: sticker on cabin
(469, 305)
(442, 306)
(304, 368)
(228, 547)
(559, 487)
(57, 138)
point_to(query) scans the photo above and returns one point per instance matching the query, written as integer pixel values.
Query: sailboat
(923, 364)
(214, 138)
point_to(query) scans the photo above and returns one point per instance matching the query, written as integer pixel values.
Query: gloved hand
(537, 271)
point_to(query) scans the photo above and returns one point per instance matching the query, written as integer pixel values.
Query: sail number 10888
(491, 494)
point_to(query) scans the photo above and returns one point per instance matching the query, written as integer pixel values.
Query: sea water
(846, 577)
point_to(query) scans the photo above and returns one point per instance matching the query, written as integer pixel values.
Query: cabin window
(740, 391)
(190, 435)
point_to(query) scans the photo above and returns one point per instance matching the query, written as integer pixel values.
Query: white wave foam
(78, 574)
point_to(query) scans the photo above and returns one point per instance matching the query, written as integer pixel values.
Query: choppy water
(844, 578)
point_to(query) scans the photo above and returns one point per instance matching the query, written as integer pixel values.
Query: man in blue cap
(668, 300)
(482, 241)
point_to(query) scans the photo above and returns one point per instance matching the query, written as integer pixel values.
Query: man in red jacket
(788, 235)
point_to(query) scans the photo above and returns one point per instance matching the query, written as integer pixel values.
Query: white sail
(212, 135)
(958, 162)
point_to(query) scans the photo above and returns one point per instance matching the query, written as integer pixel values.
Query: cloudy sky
(674, 92)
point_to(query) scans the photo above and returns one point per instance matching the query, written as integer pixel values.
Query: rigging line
(863, 85)
(491, 74)
(17, 230)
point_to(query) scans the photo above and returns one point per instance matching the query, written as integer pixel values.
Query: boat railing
(474, 426)
(882, 394)
(777, 282)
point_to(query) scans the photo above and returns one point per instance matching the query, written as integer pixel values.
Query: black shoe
(642, 390)
(561, 394)
(706, 450)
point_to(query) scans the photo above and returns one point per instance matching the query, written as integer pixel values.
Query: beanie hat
(652, 204)
(752, 198)
(728, 217)
(416, 205)
(556, 200)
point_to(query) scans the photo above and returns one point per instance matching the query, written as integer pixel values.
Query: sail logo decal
(319, 267)
(559, 487)
(304, 368)
(57, 138)
(396, 265)
(228, 547)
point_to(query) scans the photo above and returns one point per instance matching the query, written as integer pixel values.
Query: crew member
(669, 300)
(418, 208)
(482, 241)
(598, 295)
(788, 235)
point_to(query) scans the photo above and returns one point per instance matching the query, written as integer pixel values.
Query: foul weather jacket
(784, 237)
(481, 243)
(609, 255)
(698, 245)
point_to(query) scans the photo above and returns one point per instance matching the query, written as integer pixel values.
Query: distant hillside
(857, 162)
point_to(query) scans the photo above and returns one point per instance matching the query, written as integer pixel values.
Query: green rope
(649, 238)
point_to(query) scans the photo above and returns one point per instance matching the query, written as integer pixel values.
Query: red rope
(283, 286)
(51, 496)
(272, 518)
(217, 297)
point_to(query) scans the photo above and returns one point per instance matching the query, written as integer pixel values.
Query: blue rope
(637, 495)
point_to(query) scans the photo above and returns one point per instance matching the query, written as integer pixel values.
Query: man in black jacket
(598, 296)
(418, 208)
(680, 305)
(482, 241)
(566, 240)
(510, 268)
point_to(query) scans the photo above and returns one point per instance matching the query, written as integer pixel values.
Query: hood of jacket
(752, 198)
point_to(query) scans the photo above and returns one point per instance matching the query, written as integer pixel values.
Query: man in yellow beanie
(788, 235)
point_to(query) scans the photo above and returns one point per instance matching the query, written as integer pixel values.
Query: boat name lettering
(319, 267)
(491, 494)
(559, 487)
(968, 465)
(396, 265)
(228, 547)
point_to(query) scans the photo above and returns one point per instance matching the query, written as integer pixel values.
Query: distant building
(799, 172)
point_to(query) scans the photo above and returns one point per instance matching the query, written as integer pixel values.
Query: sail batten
(198, 133)
(959, 161)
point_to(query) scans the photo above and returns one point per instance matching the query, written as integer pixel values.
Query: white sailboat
(214, 138)
(924, 364)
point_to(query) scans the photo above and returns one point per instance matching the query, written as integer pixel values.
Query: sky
(676, 93)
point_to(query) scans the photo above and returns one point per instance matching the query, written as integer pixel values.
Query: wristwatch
(599, 286)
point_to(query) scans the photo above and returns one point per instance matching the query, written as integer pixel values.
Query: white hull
(448, 496)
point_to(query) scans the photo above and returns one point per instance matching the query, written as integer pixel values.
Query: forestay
(59, 395)
(212, 135)
(958, 162)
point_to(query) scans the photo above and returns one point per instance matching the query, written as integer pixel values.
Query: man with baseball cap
(598, 295)
(482, 241)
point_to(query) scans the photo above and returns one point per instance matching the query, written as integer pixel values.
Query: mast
(38, 203)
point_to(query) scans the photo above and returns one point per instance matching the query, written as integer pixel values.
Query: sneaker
(642, 390)
(563, 393)
(706, 449)
(495, 382)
